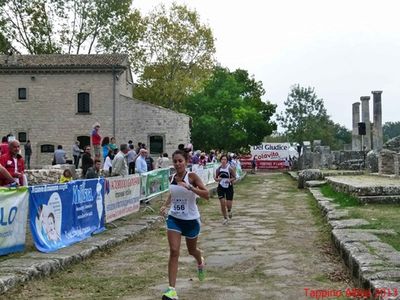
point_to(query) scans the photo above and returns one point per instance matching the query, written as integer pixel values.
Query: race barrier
(66, 213)
(63, 214)
(13, 218)
(122, 196)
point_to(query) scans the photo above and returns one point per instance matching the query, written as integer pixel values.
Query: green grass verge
(343, 199)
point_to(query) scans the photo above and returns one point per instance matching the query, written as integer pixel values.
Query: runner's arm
(165, 206)
(233, 175)
(198, 186)
(216, 178)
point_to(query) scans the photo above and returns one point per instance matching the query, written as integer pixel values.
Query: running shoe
(225, 221)
(170, 294)
(230, 214)
(201, 273)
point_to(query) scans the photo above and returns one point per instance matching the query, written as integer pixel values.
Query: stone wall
(141, 120)
(388, 162)
(50, 174)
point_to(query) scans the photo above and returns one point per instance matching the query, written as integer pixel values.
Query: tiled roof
(63, 61)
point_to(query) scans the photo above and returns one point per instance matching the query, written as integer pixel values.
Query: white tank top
(183, 201)
(225, 175)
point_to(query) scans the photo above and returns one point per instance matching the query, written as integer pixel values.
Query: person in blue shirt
(140, 164)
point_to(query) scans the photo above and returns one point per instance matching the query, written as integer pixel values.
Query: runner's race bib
(180, 207)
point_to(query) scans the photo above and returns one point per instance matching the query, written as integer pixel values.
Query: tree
(342, 136)
(229, 113)
(177, 56)
(59, 26)
(390, 130)
(305, 119)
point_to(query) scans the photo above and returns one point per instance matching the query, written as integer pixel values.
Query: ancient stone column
(365, 118)
(355, 138)
(377, 131)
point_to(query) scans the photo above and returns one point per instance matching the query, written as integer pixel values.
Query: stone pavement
(271, 249)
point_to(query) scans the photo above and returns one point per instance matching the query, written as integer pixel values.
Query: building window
(83, 103)
(156, 144)
(47, 148)
(22, 137)
(21, 93)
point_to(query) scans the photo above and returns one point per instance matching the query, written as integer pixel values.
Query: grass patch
(392, 240)
(343, 199)
(381, 217)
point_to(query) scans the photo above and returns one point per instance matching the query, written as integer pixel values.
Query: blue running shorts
(188, 228)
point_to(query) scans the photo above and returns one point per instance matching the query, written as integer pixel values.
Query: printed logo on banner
(63, 214)
(13, 218)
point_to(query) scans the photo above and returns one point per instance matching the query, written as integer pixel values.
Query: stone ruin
(366, 151)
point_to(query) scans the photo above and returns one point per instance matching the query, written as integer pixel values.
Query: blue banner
(63, 214)
(13, 217)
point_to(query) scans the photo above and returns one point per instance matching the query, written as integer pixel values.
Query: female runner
(183, 218)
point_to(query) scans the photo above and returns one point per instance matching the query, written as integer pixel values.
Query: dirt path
(273, 248)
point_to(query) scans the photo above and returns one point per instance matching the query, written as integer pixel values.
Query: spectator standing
(60, 156)
(140, 164)
(96, 140)
(76, 153)
(107, 167)
(28, 153)
(87, 161)
(13, 162)
(95, 170)
(149, 161)
(131, 157)
(164, 162)
(196, 157)
(137, 150)
(4, 145)
(105, 146)
(119, 163)
(113, 144)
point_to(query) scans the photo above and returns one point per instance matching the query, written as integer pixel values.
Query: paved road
(273, 248)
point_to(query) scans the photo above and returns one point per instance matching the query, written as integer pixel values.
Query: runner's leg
(174, 240)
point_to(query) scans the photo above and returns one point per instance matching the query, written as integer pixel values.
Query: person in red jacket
(14, 164)
(96, 140)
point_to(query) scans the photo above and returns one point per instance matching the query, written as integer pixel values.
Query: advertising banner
(63, 214)
(13, 218)
(268, 156)
(157, 182)
(122, 196)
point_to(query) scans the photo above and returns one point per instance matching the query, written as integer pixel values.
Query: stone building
(55, 99)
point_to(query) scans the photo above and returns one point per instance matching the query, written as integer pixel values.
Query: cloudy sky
(343, 48)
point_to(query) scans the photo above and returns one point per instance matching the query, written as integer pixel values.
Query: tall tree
(305, 117)
(55, 26)
(229, 113)
(178, 55)
(390, 130)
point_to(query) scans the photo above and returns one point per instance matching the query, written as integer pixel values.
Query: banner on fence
(157, 181)
(122, 196)
(269, 156)
(13, 218)
(206, 173)
(63, 214)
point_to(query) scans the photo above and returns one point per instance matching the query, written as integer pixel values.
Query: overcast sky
(343, 48)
